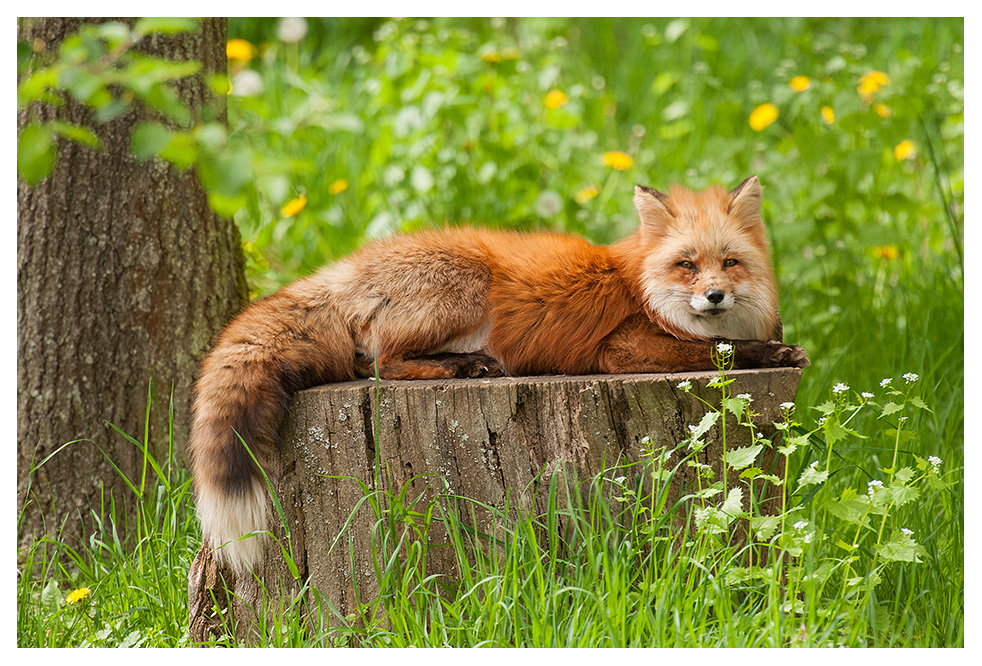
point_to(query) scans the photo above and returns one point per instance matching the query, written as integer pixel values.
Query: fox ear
(653, 209)
(745, 201)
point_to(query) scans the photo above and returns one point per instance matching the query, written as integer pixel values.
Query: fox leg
(432, 366)
(638, 345)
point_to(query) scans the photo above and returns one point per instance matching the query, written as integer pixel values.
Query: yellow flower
(240, 49)
(886, 252)
(615, 159)
(762, 116)
(293, 206)
(828, 115)
(586, 194)
(800, 83)
(905, 150)
(555, 99)
(883, 111)
(492, 57)
(77, 595)
(870, 82)
(338, 186)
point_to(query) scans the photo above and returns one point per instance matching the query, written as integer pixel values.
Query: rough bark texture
(484, 439)
(124, 276)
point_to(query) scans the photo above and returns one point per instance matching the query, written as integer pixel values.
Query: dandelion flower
(556, 99)
(240, 49)
(724, 348)
(616, 159)
(886, 252)
(291, 29)
(840, 388)
(77, 595)
(338, 186)
(909, 377)
(293, 206)
(762, 116)
(246, 84)
(883, 111)
(906, 531)
(828, 115)
(905, 150)
(587, 193)
(800, 83)
(549, 204)
(492, 57)
(870, 82)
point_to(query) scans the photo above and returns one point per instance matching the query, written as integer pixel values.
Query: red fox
(465, 302)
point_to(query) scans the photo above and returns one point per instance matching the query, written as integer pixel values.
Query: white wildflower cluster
(745, 396)
(685, 385)
(701, 515)
(814, 464)
(839, 388)
(906, 531)
(935, 463)
(873, 486)
(886, 382)
(821, 421)
(801, 525)
(724, 348)
(866, 395)
(910, 378)
(787, 406)
(619, 480)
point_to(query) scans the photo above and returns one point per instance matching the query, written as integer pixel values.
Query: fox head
(706, 269)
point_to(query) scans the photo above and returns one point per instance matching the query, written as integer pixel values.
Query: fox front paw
(755, 354)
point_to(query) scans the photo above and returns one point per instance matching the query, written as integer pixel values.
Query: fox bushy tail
(286, 342)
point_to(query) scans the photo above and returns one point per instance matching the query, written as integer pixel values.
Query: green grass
(438, 121)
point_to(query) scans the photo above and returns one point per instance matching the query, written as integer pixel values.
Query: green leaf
(733, 505)
(51, 596)
(149, 140)
(764, 526)
(890, 408)
(76, 133)
(742, 457)
(708, 420)
(812, 475)
(166, 25)
(851, 510)
(901, 548)
(917, 402)
(904, 474)
(36, 152)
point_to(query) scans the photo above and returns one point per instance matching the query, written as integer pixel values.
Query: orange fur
(466, 302)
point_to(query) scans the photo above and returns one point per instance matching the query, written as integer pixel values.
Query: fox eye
(729, 262)
(688, 265)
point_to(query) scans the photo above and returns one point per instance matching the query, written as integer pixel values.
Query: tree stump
(489, 440)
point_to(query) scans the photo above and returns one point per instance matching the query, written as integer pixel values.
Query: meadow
(360, 128)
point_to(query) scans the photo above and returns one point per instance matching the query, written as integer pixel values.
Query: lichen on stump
(489, 440)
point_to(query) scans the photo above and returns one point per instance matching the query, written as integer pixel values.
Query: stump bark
(496, 442)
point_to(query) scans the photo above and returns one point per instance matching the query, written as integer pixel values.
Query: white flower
(685, 385)
(548, 204)
(620, 479)
(907, 531)
(724, 348)
(701, 515)
(800, 525)
(291, 29)
(840, 388)
(645, 440)
(866, 394)
(873, 486)
(247, 83)
(814, 464)
(935, 463)
(821, 421)
(808, 537)
(745, 396)
(787, 406)
(886, 382)
(910, 377)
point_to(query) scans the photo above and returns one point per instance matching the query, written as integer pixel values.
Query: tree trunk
(124, 278)
(495, 441)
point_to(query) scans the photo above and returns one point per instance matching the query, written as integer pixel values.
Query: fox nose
(715, 296)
